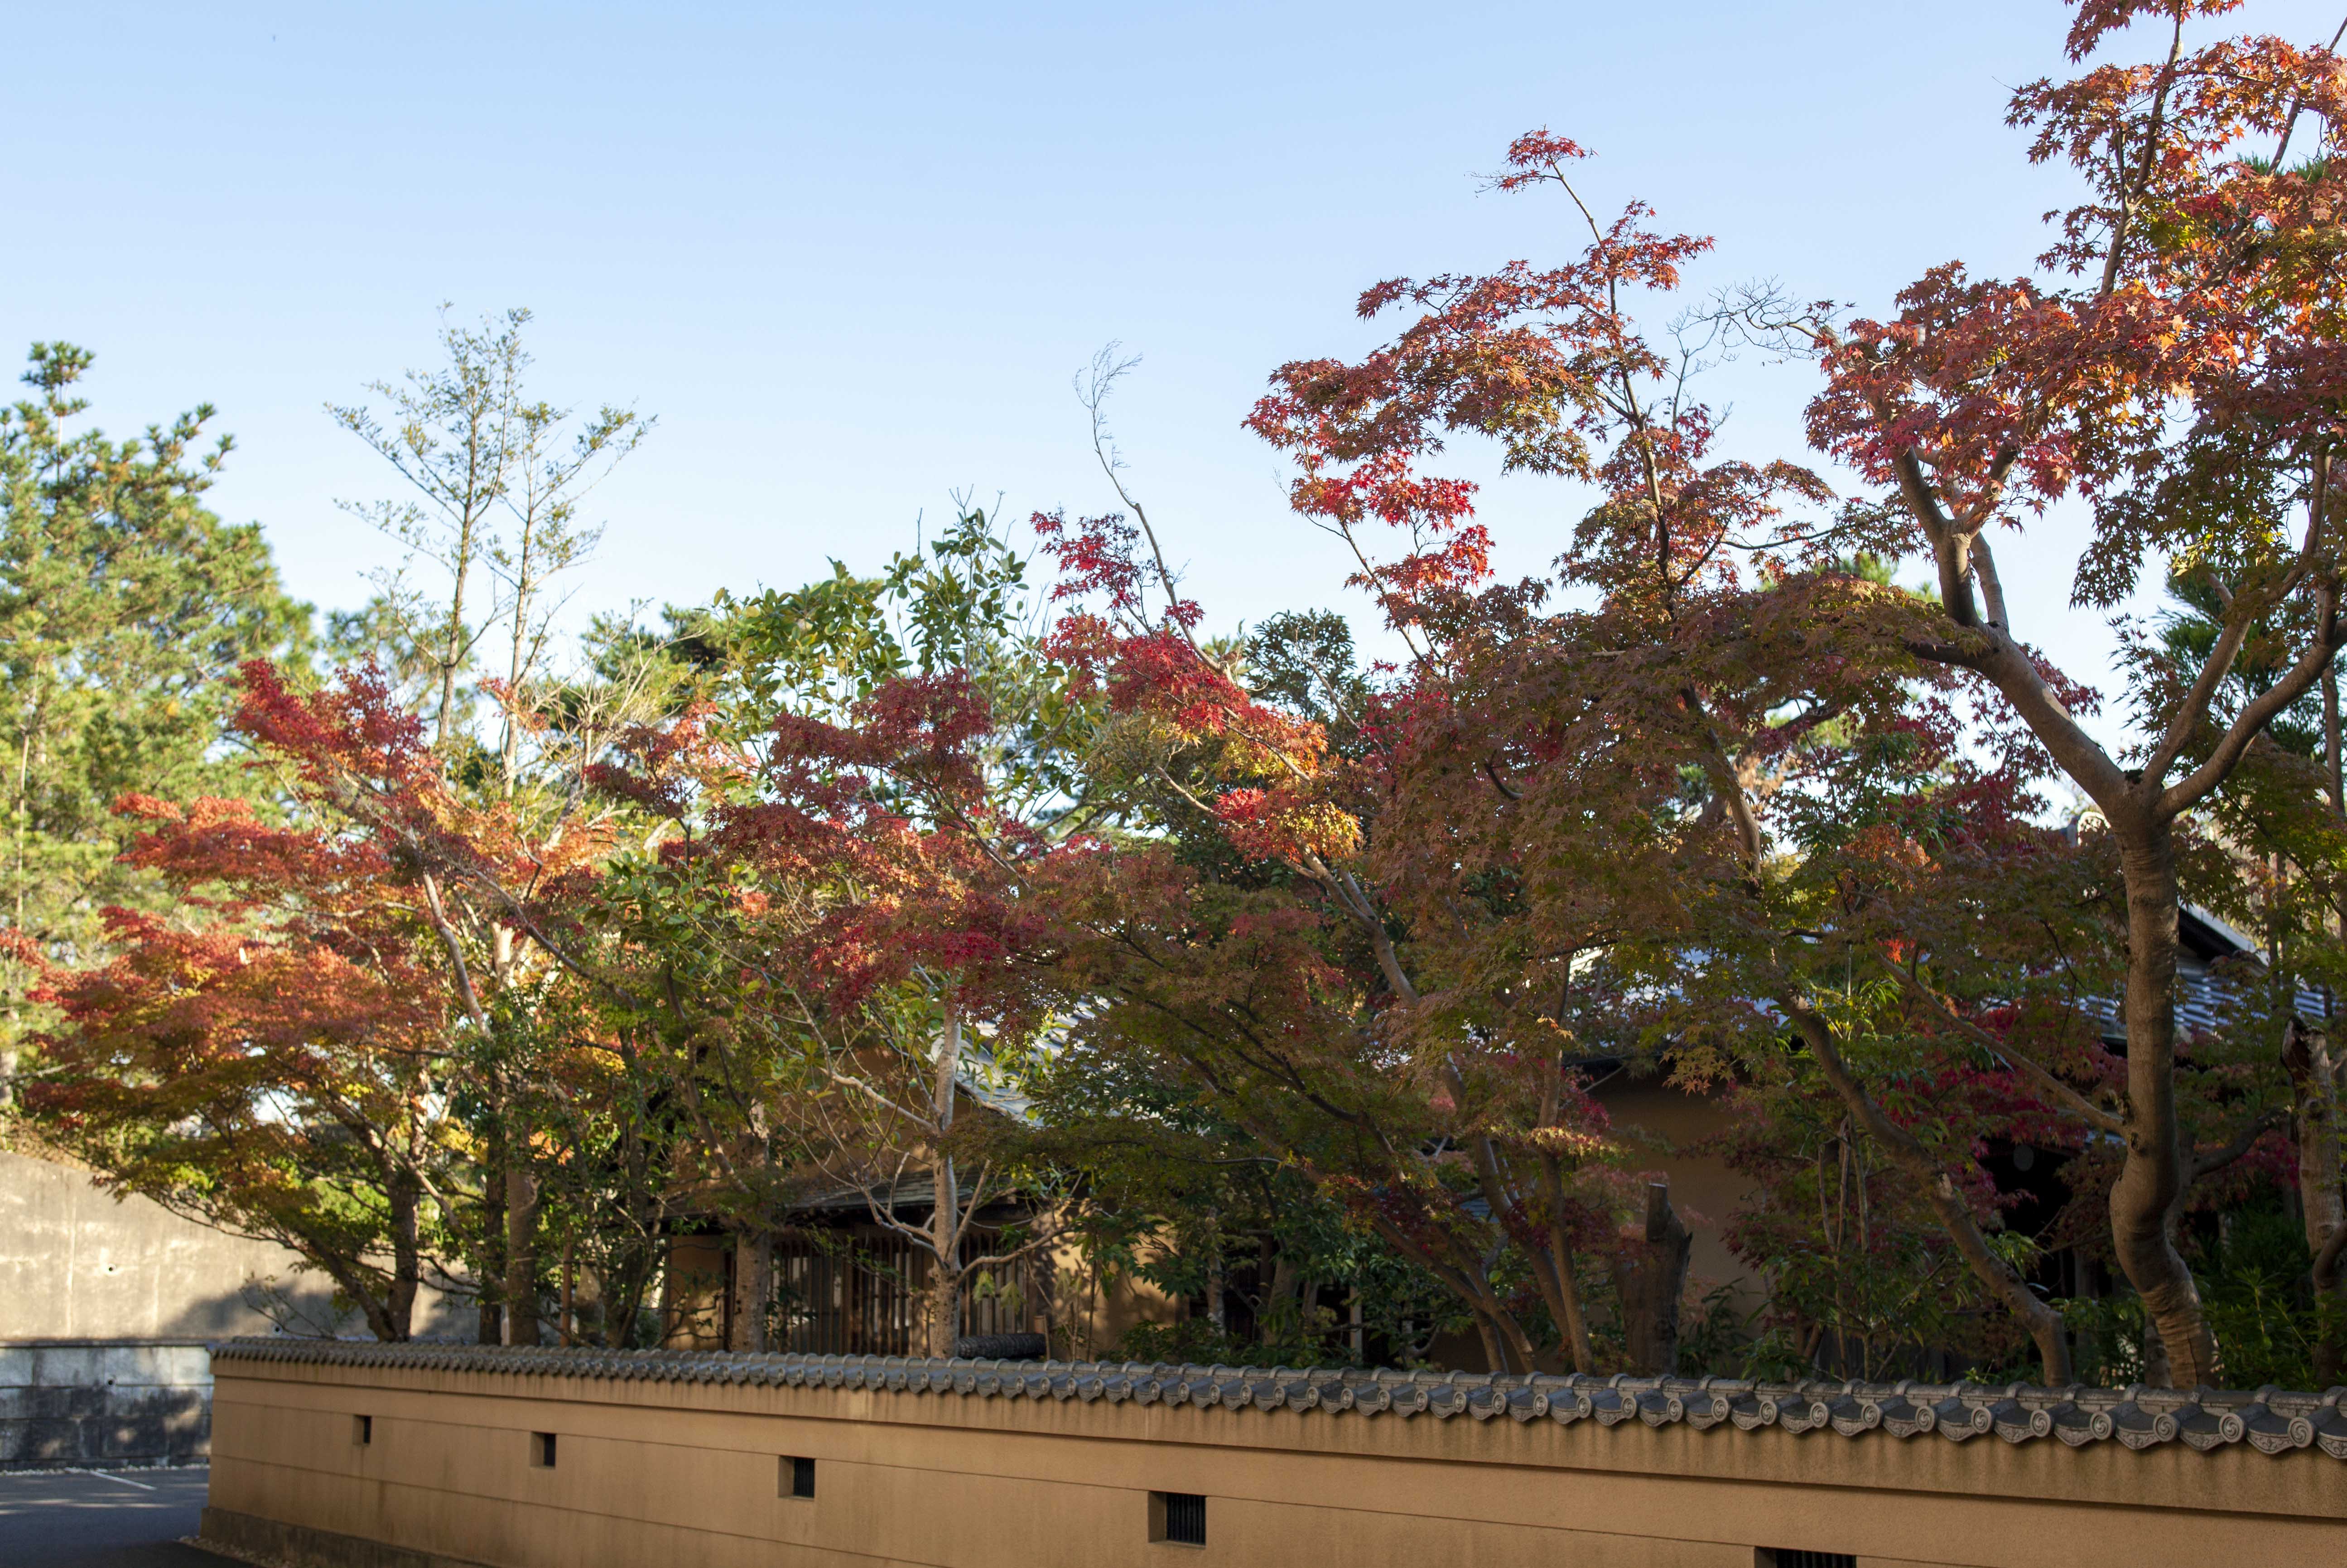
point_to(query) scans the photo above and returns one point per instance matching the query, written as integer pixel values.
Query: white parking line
(103, 1475)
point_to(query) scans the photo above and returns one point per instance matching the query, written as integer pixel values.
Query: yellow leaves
(1276, 824)
(1566, 1142)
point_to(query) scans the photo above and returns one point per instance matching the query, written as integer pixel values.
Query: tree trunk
(1276, 1272)
(565, 1320)
(754, 1287)
(942, 1308)
(940, 1305)
(2314, 1095)
(941, 1300)
(406, 1255)
(490, 1266)
(1495, 1359)
(2153, 1181)
(521, 1251)
(2327, 1276)
(2155, 1175)
(2334, 780)
(1650, 1279)
(1555, 1274)
(358, 1284)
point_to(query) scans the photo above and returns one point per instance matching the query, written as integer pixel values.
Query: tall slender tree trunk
(753, 1287)
(400, 1192)
(2334, 766)
(1283, 1292)
(2314, 1085)
(453, 647)
(565, 1320)
(20, 818)
(940, 1308)
(943, 1305)
(2155, 1177)
(1556, 1275)
(491, 1263)
(2314, 1095)
(1495, 1358)
(521, 1246)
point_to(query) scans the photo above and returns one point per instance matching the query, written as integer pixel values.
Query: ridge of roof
(2219, 927)
(2272, 1421)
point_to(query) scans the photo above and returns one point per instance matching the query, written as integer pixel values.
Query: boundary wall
(338, 1453)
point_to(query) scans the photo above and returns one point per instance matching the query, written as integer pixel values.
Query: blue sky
(850, 256)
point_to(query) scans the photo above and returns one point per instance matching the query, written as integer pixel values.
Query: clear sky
(851, 255)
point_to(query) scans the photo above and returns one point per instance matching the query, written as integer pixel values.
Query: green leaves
(123, 604)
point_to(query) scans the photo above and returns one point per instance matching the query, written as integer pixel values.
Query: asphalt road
(79, 1518)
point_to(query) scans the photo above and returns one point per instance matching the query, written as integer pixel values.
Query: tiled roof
(2206, 1003)
(2272, 1421)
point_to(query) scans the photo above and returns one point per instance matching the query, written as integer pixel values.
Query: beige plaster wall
(690, 1474)
(1704, 1189)
(1089, 1318)
(693, 1294)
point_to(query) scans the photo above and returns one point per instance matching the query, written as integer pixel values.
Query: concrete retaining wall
(412, 1457)
(105, 1306)
(77, 1262)
(104, 1402)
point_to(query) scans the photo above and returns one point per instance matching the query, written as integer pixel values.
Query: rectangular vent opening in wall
(798, 1478)
(1177, 1518)
(362, 1429)
(1801, 1557)
(541, 1450)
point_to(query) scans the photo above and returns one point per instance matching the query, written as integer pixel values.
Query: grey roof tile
(2270, 1420)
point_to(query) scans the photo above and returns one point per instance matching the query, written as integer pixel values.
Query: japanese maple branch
(2261, 709)
(2131, 195)
(2242, 1142)
(2037, 1072)
(448, 939)
(2240, 612)
(1939, 1191)
(2298, 104)
(1401, 625)
(1350, 895)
